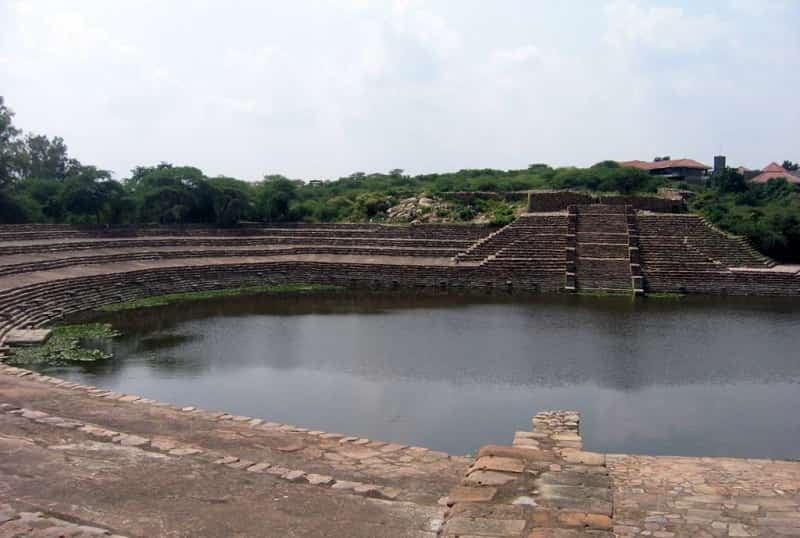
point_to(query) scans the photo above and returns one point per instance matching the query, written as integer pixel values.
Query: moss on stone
(666, 295)
(170, 298)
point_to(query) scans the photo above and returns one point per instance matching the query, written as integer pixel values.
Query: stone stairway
(542, 486)
(599, 257)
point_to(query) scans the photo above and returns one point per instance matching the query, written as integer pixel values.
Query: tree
(790, 166)
(276, 193)
(45, 158)
(89, 191)
(729, 180)
(165, 193)
(9, 145)
(48, 193)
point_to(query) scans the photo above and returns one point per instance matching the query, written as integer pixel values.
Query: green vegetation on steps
(68, 344)
(161, 300)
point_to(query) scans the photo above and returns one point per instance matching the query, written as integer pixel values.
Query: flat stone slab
(27, 337)
(498, 463)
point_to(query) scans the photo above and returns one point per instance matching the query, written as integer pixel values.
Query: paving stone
(291, 447)
(358, 452)
(390, 493)
(392, 447)
(484, 527)
(69, 425)
(277, 470)
(369, 490)
(164, 444)
(241, 464)
(7, 513)
(577, 519)
(497, 463)
(98, 432)
(488, 478)
(522, 453)
(31, 414)
(294, 476)
(319, 480)
(345, 485)
(583, 458)
(131, 440)
(185, 451)
(259, 467)
(227, 460)
(466, 494)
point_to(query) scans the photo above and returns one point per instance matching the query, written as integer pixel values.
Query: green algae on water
(87, 342)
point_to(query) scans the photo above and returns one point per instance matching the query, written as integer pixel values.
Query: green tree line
(41, 182)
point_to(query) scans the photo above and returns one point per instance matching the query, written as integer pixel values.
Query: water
(697, 376)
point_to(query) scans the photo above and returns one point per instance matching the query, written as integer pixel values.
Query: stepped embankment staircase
(602, 250)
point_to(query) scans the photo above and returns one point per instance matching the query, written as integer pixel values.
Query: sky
(319, 89)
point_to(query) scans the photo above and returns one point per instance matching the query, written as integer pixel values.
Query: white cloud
(633, 25)
(324, 88)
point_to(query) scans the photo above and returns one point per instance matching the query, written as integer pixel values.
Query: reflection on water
(695, 376)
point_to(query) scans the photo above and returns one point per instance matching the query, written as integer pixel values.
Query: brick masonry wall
(547, 201)
(470, 196)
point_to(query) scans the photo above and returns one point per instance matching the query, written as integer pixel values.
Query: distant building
(679, 169)
(775, 171)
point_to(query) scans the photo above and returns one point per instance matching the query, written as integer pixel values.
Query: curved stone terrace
(78, 460)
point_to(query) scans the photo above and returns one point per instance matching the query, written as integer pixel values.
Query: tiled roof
(658, 165)
(775, 171)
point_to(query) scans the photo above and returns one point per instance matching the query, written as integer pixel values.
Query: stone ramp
(543, 485)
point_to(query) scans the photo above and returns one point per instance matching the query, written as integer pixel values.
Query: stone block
(522, 453)
(319, 479)
(27, 337)
(498, 463)
(466, 494)
(583, 458)
(488, 478)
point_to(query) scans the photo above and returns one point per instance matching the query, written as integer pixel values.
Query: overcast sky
(320, 89)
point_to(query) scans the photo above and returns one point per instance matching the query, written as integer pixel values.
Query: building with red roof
(775, 171)
(672, 168)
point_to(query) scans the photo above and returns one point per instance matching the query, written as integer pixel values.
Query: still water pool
(695, 376)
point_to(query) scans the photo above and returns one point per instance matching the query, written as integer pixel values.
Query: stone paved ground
(669, 497)
(82, 461)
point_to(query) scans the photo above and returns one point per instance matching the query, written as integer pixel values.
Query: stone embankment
(77, 460)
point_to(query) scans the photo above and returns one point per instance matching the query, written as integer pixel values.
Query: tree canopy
(41, 182)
